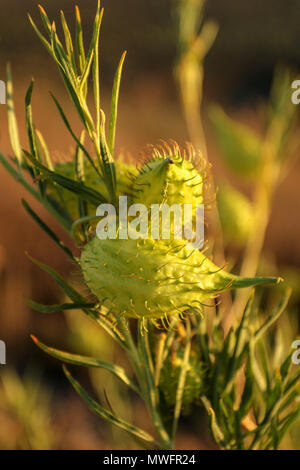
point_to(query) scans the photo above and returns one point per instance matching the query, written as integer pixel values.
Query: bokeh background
(253, 37)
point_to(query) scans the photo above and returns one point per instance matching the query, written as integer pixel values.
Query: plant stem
(151, 392)
(262, 206)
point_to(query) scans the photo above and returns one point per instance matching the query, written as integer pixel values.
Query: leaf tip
(41, 8)
(77, 13)
(34, 339)
(66, 370)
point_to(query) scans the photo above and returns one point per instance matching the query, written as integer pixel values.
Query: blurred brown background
(254, 36)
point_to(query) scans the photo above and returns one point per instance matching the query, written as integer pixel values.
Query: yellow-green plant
(262, 161)
(27, 402)
(236, 214)
(147, 279)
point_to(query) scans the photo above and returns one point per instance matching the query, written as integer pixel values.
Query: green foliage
(124, 173)
(198, 362)
(249, 418)
(195, 38)
(239, 146)
(236, 214)
(196, 377)
(28, 403)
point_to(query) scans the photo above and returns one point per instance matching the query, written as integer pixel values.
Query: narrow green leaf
(84, 361)
(67, 288)
(182, 379)
(219, 371)
(45, 19)
(96, 80)
(102, 320)
(86, 193)
(109, 170)
(286, 367)
(79, 40)
(274, 433)
(286, 423)
(80, 176)
(45, 150)
(265, 365)
(86, 72)
(29, 123)
(58, 209)
(68, 40)
(80, 223)
(294, 381)
(239, 281)
(12, 121)
(240, 340)
(150, 390)
(79, 161)
(288, 399)
(32, 138)
(64, 73)
(214, 426)
(248, 391)
(62, 58)
(54, 308)
(74, 136)
(105, 414)
(94, 51)
(17, 175)
(114, 105)
(274, 316)
(238, 437)
(48, 230)
(44, 41)
(159, 352)
(20, 179)
(169, 338)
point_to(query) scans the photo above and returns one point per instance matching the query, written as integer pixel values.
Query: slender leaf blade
(85, 361)
(105, 414)
(12, 120)
(114, 105)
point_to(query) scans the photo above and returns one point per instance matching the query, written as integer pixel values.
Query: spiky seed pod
(153, 278)
(124, 174)
(169, 178)
(195, 381)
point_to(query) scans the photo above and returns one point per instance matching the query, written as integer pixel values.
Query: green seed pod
(195, 381)
(124, 174)
(169, 178)
(153, 278)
